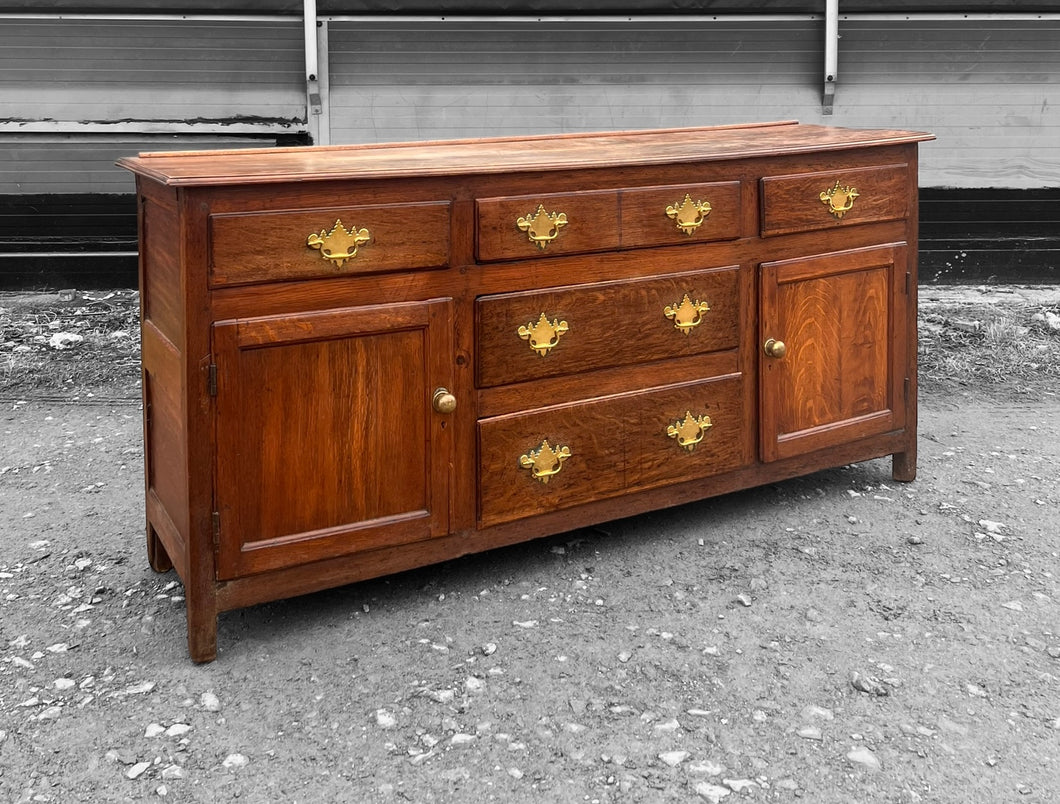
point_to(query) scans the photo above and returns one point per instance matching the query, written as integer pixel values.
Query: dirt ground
(837, 638)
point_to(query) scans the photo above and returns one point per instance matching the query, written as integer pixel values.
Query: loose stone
(210, 702)
(137, 770)
(863, 756)
(738, 785)
(869, 684)
(813, 712)
(235, 761)
(673, 758)
(704, 767)
(810, 733)
(711, 792)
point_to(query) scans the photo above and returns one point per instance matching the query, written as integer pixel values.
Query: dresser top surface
(504, 155)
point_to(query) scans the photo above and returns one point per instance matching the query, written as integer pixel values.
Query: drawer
(558, 457)
(531, 226)
(683, 213)
(247, 248)
(566, 330)
(834, 198)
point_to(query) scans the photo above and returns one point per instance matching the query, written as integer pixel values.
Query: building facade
(85, 81)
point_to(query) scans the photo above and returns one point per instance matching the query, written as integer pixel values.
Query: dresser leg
(202, 633)
(157, 556)
(903, 466)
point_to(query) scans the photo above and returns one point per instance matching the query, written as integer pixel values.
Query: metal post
(312, 67)
(831, 53)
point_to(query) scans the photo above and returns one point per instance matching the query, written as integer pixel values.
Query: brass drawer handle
(839, 200)
(545, 462)
(690, 430)
(542, 227)
(689, 215)
(340, 244)
(687, 315)
(543, 335)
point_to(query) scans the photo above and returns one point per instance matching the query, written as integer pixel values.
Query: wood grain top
(503, 155)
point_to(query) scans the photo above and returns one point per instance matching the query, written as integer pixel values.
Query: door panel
(327, 440)
(840, 377)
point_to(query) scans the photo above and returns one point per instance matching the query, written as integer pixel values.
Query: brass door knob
(443, 401)
(775, 349)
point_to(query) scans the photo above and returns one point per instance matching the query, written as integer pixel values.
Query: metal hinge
(211, 380)
(908, 282)
(907, 389)
(216, 529)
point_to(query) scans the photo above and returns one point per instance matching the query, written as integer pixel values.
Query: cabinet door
(841, 370)
(327, 439)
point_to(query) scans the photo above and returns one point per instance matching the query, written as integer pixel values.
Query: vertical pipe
(831, 53)
(312, 66)
(323, 133)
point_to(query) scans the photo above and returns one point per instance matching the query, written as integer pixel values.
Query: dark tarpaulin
(516, 7)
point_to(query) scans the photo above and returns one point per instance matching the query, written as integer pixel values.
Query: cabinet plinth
(361, 360)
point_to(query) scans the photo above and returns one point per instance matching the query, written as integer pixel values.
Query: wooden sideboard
(360, 360)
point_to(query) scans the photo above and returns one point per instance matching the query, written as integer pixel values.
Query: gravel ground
(836, 638)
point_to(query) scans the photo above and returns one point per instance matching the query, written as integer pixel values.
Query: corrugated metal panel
(50, 164)
(418, 80)
(127, 71)
(986, 89)
(520, 6)
(981, 86)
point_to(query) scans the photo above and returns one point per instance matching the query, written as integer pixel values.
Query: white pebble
(137, 770)
(711, 792)
(673, 758)
(235, 761)
(210, 702)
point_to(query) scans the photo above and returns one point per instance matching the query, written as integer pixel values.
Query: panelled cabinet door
(832, 349)
(327, 439)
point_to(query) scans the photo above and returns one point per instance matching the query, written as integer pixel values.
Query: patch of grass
(70, 345)
(1008, 350)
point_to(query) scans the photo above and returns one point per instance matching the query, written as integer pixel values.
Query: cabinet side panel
(165, 454)
(160, 275)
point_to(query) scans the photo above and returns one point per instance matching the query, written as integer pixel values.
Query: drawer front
(834, 198)
(685, 213)
(247, 248)
(549, 333)
(532, 226)
(573, 454)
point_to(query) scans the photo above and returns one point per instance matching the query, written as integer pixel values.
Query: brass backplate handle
(839, 199)
(542, 226)
(543, 335)
(688, 214)
(340, 244)
(690, 430)
(687, 314)
(545, 462)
